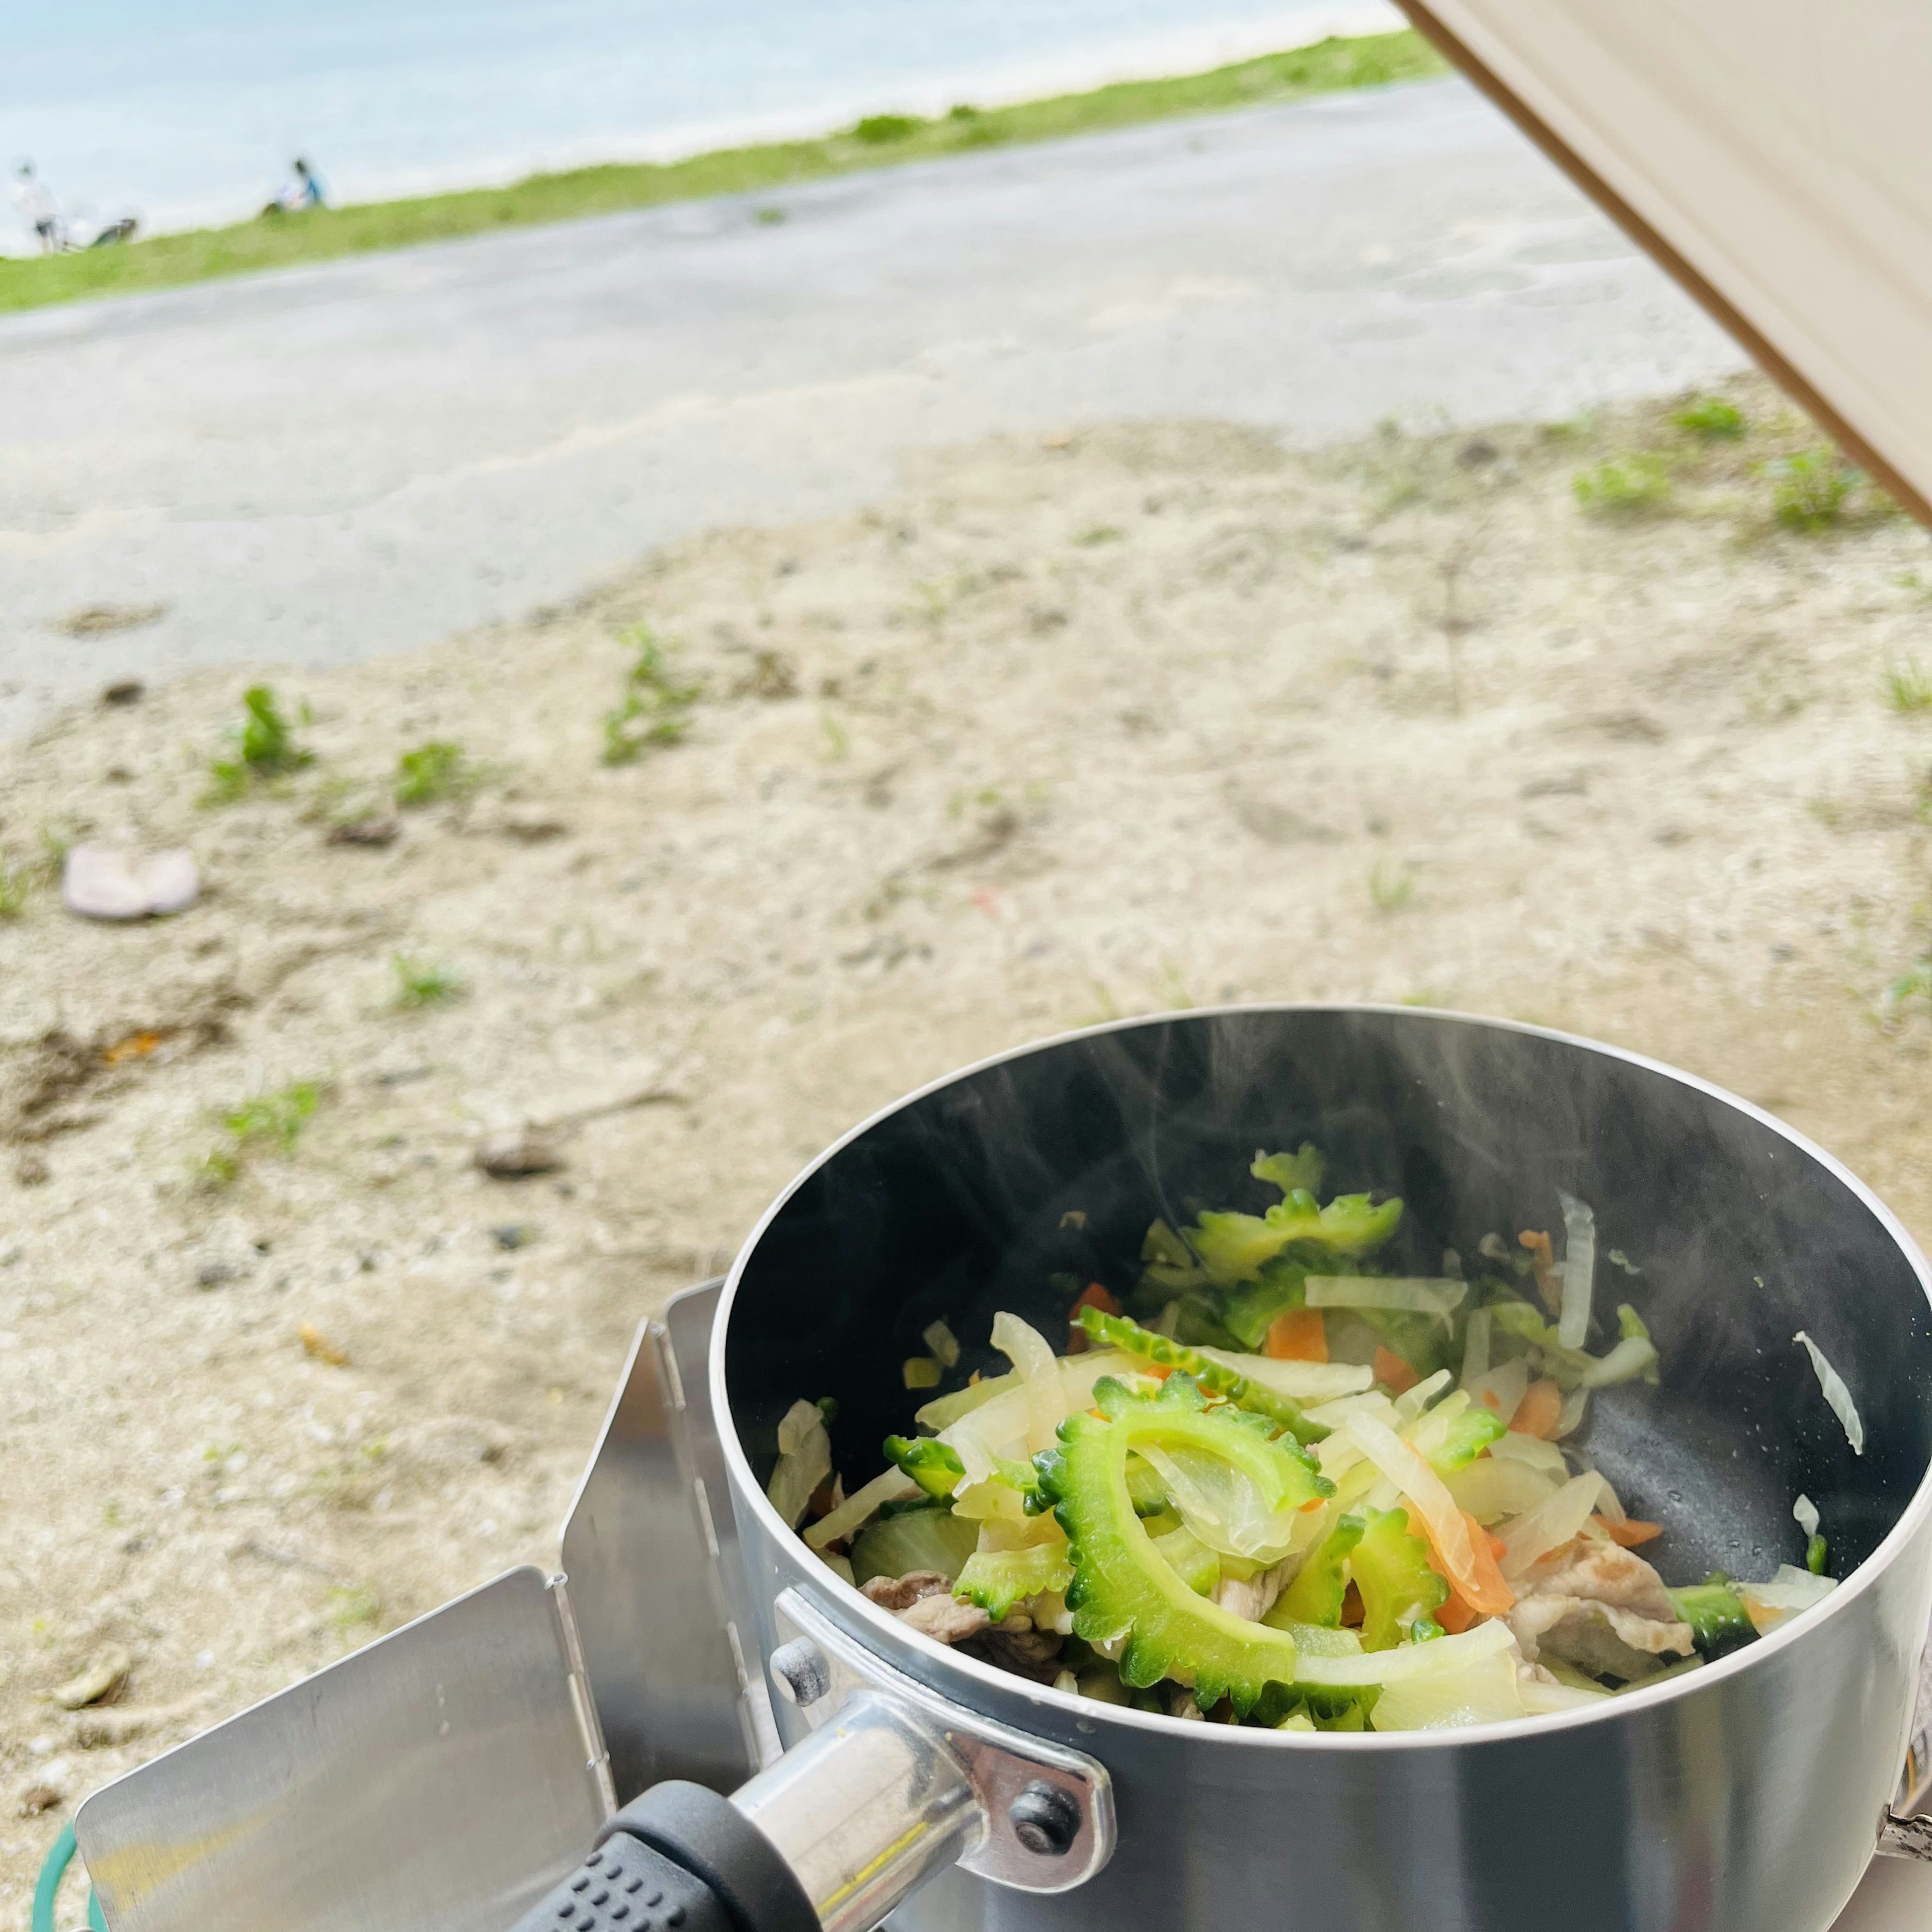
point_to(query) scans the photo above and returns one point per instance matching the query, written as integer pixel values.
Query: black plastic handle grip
(679, 1858)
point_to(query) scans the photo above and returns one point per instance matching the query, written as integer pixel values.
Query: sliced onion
(1491, 1491)
(1550, 1524)
(1569, 1418)
(1448, 1653)
(1002, 1427)
(1518, 1446)
(860, 1507)
(1423, 1488)
(1039, 1369)
(1836, 1393)
(944, 1411)
(1804, 1513)
(1579, 1270)
(1300, 1381)
(1502, 1390)
(804, 1460)
(1437, 1295)
(1476, 1347)
(1332, 1414)
(1411, 1402)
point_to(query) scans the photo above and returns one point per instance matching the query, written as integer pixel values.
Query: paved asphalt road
(330, 463)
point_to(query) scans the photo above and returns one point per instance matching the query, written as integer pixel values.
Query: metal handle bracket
(1048, 1812)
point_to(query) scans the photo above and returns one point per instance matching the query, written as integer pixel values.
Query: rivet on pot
(800, 1671)
(1045, 1819)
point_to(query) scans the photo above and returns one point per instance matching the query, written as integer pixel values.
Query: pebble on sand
(104, 882)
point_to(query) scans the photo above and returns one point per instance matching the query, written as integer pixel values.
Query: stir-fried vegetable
(1296, 1484)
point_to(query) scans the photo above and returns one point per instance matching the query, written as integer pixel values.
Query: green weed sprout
(277, 1117)
(16, 883)
(432, 771)
(656, 708)
(1712, 419)
(264, 747)
(1808, 489)
(421, 983)
(1634, 486)
(1907, 689)
(876, 129)
(1391, 887)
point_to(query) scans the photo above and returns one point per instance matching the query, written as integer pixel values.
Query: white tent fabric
(1780, 150)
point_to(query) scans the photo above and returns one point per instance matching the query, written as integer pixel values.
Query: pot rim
(886, 1634)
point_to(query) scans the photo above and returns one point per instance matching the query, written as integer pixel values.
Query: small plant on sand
(264, 747)
(1391, 887)
(420, 982)
(351, 1607)
(1711, 418)
(273, 1119)
(17, 885)
(1907, 689)
(437, 770)
(1808, 490)
(656, 710)
(1633, 486)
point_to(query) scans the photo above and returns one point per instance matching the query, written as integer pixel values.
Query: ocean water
(187, 111)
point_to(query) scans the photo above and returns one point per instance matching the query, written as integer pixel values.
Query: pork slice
(1601, 1606)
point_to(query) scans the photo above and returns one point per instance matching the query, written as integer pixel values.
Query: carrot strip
(1549, 1282)
(1298, 1335)
(1540, 1410)
(1393, 1372)
(1630, 1533)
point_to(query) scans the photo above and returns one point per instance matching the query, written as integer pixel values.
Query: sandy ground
(1126, 718)
(364, 457)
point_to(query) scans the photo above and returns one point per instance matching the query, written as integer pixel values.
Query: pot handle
(892, 1784)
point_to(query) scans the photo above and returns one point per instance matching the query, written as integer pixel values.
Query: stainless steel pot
(434, 1781)
(1748, 1794)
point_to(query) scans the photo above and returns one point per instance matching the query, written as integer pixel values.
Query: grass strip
(879, 140)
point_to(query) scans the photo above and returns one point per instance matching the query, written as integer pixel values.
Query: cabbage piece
(918, 1539)
(1804, 1513)
(1446, 1655)
(1836, 1393)
(1790, 1594)
(1223, 1505)
(941, 1343)
(1423, 1487)
(1486, 1691)
(805, 1461)
(1190, 1559)
(1580, 1270)
(1405, 1294)
(1410, 1403)
(1331, 1415)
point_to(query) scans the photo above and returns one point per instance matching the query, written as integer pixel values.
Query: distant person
(301, 190)
(37, 208)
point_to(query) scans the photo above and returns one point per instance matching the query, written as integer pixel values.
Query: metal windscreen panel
(1780, 150)
(440, 1780)
(641, 1558)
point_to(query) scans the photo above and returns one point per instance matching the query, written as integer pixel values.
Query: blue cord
(52, 1871)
